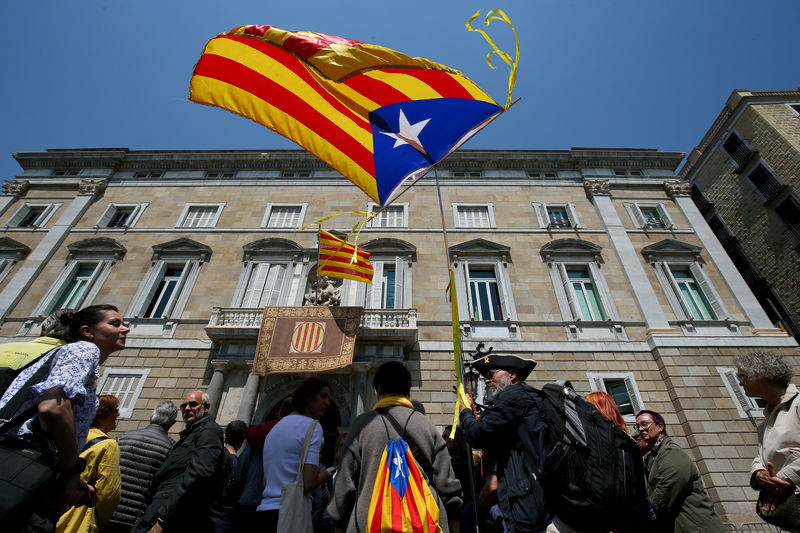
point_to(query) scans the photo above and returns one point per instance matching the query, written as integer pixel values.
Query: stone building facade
(595, 262)
(745, 176)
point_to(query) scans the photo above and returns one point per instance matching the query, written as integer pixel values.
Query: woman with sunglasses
(101, 454)
(64, 403)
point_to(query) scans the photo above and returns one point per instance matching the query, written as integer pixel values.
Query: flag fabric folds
(374, 114)
(401, 499)
(340, 259)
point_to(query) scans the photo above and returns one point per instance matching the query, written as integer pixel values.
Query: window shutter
(502, 291)
(572, 214)
(21, 213)
(541, 214)
(137, 213)
(55, 290)
(463, 292)
(708, 290)
(738, 395)
(569, 293)
(399, 276)
(630, 387)
(177, 294)
(111, 210)
(596, 383)
(46, 214)
(148, 291)
(662, 212)
(636, 214)
(255, 287)
(91, 287)
(606, 301)
(665, 270)
(374, 290)
(240, 295)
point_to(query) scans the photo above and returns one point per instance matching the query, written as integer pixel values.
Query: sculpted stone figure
(323, 293)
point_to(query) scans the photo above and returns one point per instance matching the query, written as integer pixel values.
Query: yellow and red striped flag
(401, 499)
(340, 259)
(374, 114)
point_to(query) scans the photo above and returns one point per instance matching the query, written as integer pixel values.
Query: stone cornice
(16, 188)
(678, 188)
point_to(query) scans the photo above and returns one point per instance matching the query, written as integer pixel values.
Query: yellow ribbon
(498, 14)
(369, 215)
(461, 395)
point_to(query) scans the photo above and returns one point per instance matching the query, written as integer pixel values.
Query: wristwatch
(77, 467)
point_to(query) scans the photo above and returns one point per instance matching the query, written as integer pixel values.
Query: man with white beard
(496, 433)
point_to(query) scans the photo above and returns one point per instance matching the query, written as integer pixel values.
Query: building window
(296, 174)
(466, 173)
(66, 172)
(474, 215)
(618, 172)
(789, 213)
(720, 229)
(746, 406)
(582, 293)
(391, 260)
(32, 215)
(795, 108)
(89, 263)
(484, 289)
(694, 299)
(737, 149)
(765, 182)
(166, 288)
(11, 252)
(284, 215)
(121, 215)
(392, 216)
(649, 216)
(556, 216)
(124, 383)
(200, 215)
(219, 174)
(148, 174)
(622, 388)
(265, 285)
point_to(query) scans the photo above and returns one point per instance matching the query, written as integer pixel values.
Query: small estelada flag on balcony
(340, 259)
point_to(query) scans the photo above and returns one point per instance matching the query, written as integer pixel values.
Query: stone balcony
(241, 324)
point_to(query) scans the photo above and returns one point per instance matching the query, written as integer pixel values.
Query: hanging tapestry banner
(306, 339)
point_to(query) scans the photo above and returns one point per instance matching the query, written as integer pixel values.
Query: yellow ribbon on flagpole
(461, 395)
(498, 14)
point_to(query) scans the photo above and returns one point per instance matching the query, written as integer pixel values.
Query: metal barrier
(729, 527)
(758, 527)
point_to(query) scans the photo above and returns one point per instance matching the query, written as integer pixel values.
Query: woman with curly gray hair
(774, 472)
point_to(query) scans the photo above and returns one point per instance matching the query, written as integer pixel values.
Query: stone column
(39, 256)
(360, 388)
(599, 192)
(217, 384)
(249, 395)
(681, 192)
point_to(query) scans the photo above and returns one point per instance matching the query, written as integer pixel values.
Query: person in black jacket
(190, 481)
(141, 454)
(496, 433)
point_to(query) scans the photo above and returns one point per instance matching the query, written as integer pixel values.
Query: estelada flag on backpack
(401, 498)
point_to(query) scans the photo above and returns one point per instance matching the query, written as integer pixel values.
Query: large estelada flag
(340, 259)
(374, 114)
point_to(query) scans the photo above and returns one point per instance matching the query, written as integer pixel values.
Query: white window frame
(505, 295)
(65, 278)
(459, 223)
(40, 221)
(747, 407)
(179, 296)
(112, 209)
(212, 221)
(382, 219)
(597, 382)
(674, 296)
(635, 211)
(6, 265)
(133, 382)
(566, 295)
(543, 216)
(271, 206)
(371, 295)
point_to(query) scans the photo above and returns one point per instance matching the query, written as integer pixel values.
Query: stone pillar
(681, 192)
(359, 388)
(249, 395)
(599, 193)
(39, 256)
(217, 384)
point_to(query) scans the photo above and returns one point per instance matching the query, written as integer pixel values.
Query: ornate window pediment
(11, 249)
(265, 248)
(477, 248)
(393, 247)
(566, 250)
(181, 249)
(672, 250)
(99, 247)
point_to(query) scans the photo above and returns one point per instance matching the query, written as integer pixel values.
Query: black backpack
(8, 375)
(591, 471)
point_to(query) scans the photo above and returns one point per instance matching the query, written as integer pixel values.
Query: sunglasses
(191, 405)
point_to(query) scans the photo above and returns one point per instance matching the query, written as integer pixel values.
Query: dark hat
(505, 362)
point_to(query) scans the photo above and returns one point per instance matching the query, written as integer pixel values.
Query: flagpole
(460, 370)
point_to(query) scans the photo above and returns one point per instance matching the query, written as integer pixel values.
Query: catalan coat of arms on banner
(306, 339)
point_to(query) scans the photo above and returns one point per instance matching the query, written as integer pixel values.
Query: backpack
(592, 472)
(8, 375)
(401, 500)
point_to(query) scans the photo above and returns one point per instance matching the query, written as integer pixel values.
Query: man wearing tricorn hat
(496, 433)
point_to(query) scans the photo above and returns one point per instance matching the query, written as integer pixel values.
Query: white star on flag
(409, 133)
(398, 462)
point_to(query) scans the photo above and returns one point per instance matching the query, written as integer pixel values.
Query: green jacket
(677, 494)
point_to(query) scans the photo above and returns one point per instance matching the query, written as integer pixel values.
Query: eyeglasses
(642, 426)
(191, 405)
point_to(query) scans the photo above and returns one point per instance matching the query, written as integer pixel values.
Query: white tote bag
(294, 515)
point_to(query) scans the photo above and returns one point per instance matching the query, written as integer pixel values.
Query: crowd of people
(233, 480)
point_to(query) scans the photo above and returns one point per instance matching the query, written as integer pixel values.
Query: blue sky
(599, 73)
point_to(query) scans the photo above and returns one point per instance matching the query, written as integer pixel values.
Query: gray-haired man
(141, 453)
